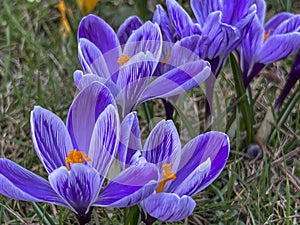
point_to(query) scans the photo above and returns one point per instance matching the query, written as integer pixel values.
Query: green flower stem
(245, 107)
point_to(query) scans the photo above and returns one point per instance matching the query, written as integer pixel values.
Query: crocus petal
(87, 79)
(278, 47)
(177, 81)
(147, 38)
(188, 48)
(79, 187)
(163, 145)
(92, 59)
(131, 24)
(160, 17)
(223, 37)
(290, 25)
(276, 20)
(261, 10)
(202, 9)
(50, 138)
(104, 141)
(77, 75)
(181, 20)
(21, 184)
(193, 182)
(213, 145)
(251, 45)
(133, 78)
(103, 36)
(169, 207)
(84, 112)
(130, 139)
(130, 186)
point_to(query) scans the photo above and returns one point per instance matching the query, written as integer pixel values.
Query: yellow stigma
(165, 61)
(76, 157)
(267, 34)
(123, 59)
(167, 175)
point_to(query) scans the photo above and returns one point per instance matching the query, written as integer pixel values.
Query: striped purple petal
(21, 184)
(202, 9)
(97, 31)
(131, 24)
(169, 207)
(104, 141)
(50, 138)
(213, 146)
(92, 59)
(278, 47)
(177, 80)
(145, 39)
(84, 112)
(78, 187)
(163, 145)
(130, 187)
(181, 20)
(161, 18)
(130, 139)
(276, 20)
(133, 78)
(193, 183)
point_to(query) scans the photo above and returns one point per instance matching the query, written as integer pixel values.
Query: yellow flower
(65, 28)
(86, 6)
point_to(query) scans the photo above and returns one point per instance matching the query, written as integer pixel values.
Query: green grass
(36, 68)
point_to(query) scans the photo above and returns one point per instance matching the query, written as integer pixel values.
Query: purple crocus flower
(265, 44)
(128, 70)
(184, 171)
(220, 26)
(77, 157)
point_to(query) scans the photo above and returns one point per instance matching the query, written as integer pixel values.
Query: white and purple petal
(276, 20)
(97, 31)
(50, 138)
(177, 80)
(21, 184)
(163, 145)
(202, 9)
(169, 207)
(92, 59)
(160, 17)
(84, 112)
(278, 47)
(130, 187)
(133, 78)
(145, 39)
(130, 139)
(104, 141)
(131, 24)
(289, 25)
(79, 187)
(181, 20)
(193, 182)
(212, 145)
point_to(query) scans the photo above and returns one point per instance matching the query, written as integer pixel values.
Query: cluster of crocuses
(161, 58)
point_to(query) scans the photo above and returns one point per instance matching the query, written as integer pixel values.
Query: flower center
(267, 34)
(123, 59)
(76, 156)
(167, 175)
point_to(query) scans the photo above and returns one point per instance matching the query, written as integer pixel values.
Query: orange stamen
(267, 34)
(164, 62)
(75, 156)
(167, 175)
(123, 59)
